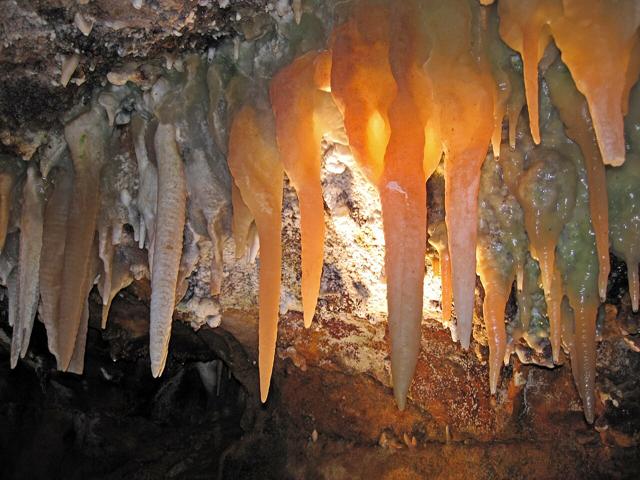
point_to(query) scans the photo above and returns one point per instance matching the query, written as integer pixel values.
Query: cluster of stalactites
(426, 80)
(106, 202)
(405, 85)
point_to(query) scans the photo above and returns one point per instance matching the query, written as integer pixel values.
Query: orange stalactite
(497, 288)
(257, 171)
(363, 86)
(405, 85)
(596, 38)
(303, 115)
(463, 92)
(403, 194)
(524, 26)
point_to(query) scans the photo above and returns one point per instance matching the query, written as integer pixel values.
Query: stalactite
(574, 112)
(501, 244)
(6, 186)
(87, 138)
(512, 167)
(363, 86)
(76, 364)
(121, 277)
(405, 85)
(190, 254)
(56, 215)
(29, 263)
(302, 115)
(146, 201)
(463, 93)
(257, 171)
(437, 230)
(596, 38)
(186, 105)
(403, 195)
(509, 99)
(12, 293)
(547, 191)
(9, 274)
(447, 292)
(578, 263)
(105, 252)
(624, 203)
(172, 197)
(525, 27)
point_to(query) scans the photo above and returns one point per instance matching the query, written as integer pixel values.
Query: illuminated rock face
(165, 163)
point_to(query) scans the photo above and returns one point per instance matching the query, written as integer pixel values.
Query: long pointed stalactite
(144, 179)
(574, 112)
(56, 216)
(168, 243)
(86, 136)
(403, 196)
(258, 172)
(29, 263)
(296, 100)
(463, 93)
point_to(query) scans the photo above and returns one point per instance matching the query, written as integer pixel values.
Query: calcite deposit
(335, 185)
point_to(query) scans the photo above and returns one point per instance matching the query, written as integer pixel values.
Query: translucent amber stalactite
(497, 288)
(596, 38)
(302, 116)
(547, 191)
(258, 173)
(403, 195)
(524, 25)
(574, 112)
(362, 84)
(463, 92)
